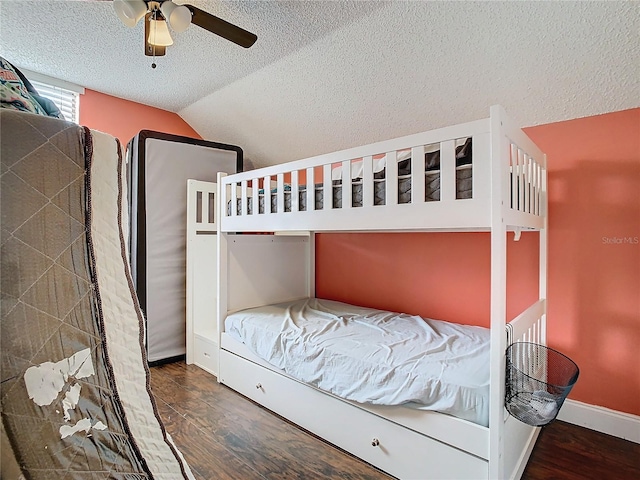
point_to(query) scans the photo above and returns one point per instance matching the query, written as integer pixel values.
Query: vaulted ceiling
(327, 75)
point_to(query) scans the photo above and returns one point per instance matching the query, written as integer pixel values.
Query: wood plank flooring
(225, 436)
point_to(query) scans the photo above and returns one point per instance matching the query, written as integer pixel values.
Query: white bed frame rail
(520, 170)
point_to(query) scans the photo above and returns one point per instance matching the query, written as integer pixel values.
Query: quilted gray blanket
(75, 393)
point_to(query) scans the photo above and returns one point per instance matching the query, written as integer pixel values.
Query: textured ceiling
(331, 75)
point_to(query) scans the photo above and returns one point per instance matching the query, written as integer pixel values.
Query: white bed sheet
(373, 356)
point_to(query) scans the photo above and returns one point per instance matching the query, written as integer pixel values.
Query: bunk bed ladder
(201, 326)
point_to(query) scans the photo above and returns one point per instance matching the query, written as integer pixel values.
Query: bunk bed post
(191, 220)
(499, 164)
(542, 289)
(311, 268)
(221, 273)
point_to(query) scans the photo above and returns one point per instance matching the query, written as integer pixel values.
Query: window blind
(66, 100)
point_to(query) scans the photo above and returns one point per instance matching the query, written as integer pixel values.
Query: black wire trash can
(538, 379)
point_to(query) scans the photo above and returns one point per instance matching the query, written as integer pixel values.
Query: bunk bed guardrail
(426, 180)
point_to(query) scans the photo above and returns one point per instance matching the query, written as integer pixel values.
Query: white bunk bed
(508, 194)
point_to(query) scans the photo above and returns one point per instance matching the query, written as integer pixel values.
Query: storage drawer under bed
(387, 445)
(205, 354)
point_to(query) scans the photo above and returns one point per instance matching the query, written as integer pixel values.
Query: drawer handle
(258, 386)
(375, 442)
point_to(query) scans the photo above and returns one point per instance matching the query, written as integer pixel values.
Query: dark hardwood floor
(223, 435)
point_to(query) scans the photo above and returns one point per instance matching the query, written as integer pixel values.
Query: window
(65, 95)
(65, 100)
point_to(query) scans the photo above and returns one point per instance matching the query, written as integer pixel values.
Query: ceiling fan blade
(221, 27)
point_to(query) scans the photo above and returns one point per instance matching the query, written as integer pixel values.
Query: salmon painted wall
(594, 252)
(124, 119)
(594, 260)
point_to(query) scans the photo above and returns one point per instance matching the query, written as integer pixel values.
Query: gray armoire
(159, 166)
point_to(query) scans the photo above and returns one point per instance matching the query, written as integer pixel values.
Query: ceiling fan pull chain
(153, 61)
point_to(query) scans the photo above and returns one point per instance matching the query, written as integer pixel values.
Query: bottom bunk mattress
(373, 356)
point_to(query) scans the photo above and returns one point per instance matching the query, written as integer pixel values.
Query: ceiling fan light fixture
(178, 16)
(130, 11)
(159, 33)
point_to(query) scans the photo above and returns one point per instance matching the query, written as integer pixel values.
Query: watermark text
(620, 240)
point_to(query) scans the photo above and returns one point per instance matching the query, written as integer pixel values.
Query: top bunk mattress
(431, 171)
(373, 356)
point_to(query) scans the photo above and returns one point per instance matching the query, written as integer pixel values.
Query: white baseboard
(601, 419)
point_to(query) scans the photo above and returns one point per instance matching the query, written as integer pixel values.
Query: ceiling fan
(162, 15)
